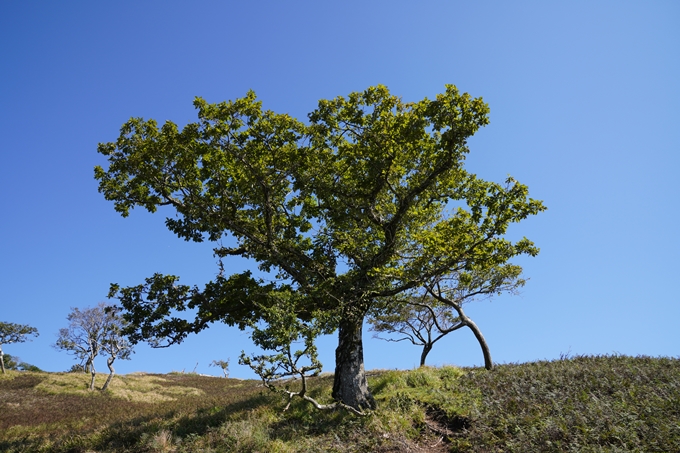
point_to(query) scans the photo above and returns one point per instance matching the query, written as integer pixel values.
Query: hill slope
(610, 403)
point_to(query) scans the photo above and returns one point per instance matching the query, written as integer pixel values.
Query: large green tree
(366, 200)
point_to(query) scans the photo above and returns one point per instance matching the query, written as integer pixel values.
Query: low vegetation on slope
(580, 404)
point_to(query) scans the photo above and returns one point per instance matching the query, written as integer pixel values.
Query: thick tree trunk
(2, 360)
(426, 350)
(109, 363)
(349, 385)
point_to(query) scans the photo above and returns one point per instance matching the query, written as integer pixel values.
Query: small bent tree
(279, 331)
(436, 310)
(420, 320)
(83, 337)
(14, 333)
(91, 331)
(484, 280)
(366, 200)
(223, 365)
(114, 344)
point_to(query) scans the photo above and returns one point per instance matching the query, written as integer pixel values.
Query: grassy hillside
(581, 404)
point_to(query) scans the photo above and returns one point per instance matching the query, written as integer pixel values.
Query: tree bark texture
(350, 385)
(109, 362)
(2, 360)
(93, 373)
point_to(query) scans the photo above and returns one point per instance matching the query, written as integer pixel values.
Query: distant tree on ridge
(14, 333)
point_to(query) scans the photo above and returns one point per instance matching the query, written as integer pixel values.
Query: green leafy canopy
(366, 200)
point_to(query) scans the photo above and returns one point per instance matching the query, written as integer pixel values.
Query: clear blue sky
(584, 98)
